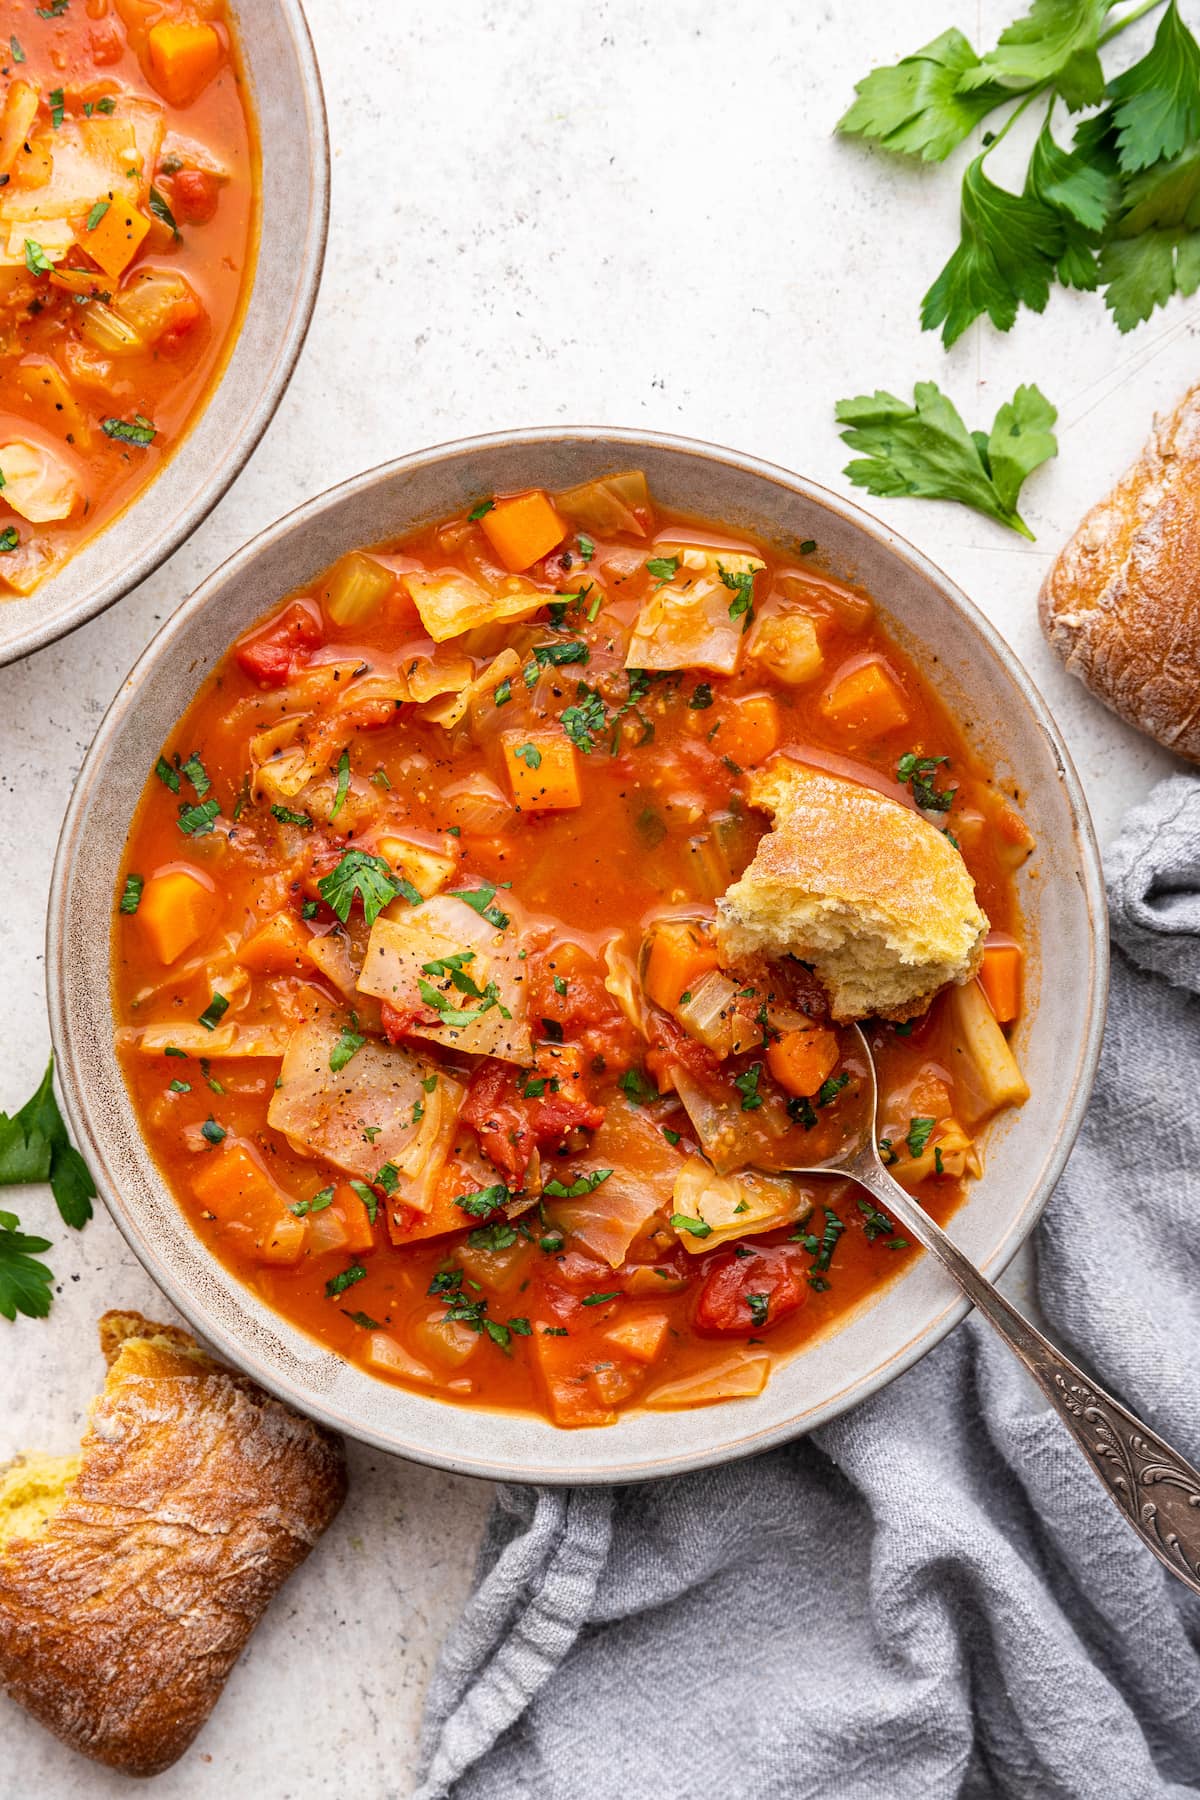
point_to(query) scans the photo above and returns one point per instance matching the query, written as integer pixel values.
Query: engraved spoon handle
(1153, 1486)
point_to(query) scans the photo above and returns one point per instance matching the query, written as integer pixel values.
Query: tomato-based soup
(128, 171)
(419, 997)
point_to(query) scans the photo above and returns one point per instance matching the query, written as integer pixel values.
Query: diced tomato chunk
(195, 192)
(743, 1296)
(499, 1120)
(104, 41)
(272, 657)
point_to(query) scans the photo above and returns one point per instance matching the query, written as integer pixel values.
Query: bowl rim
(738, 1444)
(212, 490)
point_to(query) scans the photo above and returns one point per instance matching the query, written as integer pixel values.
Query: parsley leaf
(917, 770)
(25, 1284)
(131, 897)
(583, 1184)
(163, 213)
(36, 260)
(694, 1227)
(198, 821)
(141, 432)
(584, 722)
(1009, 249)
(747, 1086)
(919, 1131)
(214, 1012)
(34, 1146)
(1156, 103)
(358, 873)
(347, 1046)
(347, 1278)
(343, 785)
(481, 901)
(663, 568)
(1056, 41)
(925, 450)
(529, 754)
(740, 583)
(916, 108)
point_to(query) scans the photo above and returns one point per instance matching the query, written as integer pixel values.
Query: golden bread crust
(1121, 604)
(866, 890)
(197, 1496)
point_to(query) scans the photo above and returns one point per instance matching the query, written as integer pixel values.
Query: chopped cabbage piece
(739, 1376)
(644, 1170)
(455, 975)
(730, 1206)
(698, 618)
(452, 603)
(381, 1090)
(39, 483)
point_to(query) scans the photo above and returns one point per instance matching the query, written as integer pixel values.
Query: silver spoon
(1152, 1485)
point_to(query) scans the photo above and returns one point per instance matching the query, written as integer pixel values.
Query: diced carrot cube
(641, 1336)
(801, 1060)
(749, 730)
(116, 237)
(678, 957)
(183, 60)
(1000, 978)
(543, 769)
(867, 702)
(236, 1189)
(523, 529)
(176, 909)
(280, 946)
(564, 1369)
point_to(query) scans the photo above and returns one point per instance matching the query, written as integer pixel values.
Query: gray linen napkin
(932, 1596)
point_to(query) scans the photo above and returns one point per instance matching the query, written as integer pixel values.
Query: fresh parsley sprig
(926, 451)
(35, 1147)
(1118, 210)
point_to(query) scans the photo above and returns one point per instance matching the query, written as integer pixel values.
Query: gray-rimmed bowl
(1061, 893)
(285, 93)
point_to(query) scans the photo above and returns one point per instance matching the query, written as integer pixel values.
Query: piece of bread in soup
(864, 889)
(132, 1574)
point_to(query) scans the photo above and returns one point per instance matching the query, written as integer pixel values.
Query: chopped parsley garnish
(480, 899)
(198, 821)
(141, 432)
(36, 260)
(339, 1283)
(919, 1131)
(55, 10)
(163, 213)
(747, 1086)
(131, 898)
(917, 770)
(286, 816)
(759, 1305)
(368, 877)
(702, 697)
(582, 1184)
(214, 1012)
(878, 1225)
(343, 785)
(554, 1331)
(18, 55)
(197, 774)
(58, 106)
(9, 538)
(362, 1319)
(556, 655)
(477, 512)
(587, 548)
(829, 1090)
(179, 1087)
(635, 1087)
(696, 1227)
(808, 546)
(167, 775)
(584, 721)
(214, 1133)
(529, 754)
(347, 1046)
(601, 1299)
(486, 1200)
(663, 569)
(318, 1203)
(672, 1137)
(369, 1198)
(560, 984)
(97, 213)
(499, 1235)
(503, 693)
(388, 1178)
(740, 583)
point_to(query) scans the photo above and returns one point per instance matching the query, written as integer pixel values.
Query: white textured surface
(630, 213)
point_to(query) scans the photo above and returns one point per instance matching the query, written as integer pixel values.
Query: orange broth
(454, 1277)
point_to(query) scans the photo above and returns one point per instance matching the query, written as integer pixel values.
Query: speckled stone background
(631, 213)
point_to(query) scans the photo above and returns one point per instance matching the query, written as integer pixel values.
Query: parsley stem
(1015, 114)
(1139, 12)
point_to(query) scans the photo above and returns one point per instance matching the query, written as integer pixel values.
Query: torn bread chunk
(875, 898)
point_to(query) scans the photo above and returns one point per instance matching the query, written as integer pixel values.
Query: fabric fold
(932, 1596)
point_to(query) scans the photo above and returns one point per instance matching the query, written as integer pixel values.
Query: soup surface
(418, 996)
(128, 170)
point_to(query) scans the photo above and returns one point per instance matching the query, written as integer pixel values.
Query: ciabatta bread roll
(866, 890)
(132, 1575)
(1121, 605)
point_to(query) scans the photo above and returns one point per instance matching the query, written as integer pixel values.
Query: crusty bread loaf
(132, 1575)
(866, 890)
(1121, 604)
